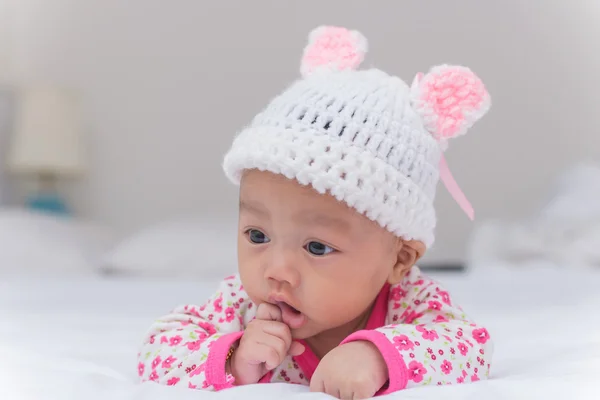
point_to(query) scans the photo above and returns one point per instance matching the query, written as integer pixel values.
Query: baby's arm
(189, 346)
(430, 340)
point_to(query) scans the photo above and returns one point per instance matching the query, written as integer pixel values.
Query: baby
(337, 181)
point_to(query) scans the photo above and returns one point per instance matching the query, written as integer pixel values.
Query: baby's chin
(309, 330)
(305, 332)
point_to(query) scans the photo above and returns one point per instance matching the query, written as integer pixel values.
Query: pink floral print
(208, 328)
(166, 364)
(229, 314)
(436, 341)
(173, 381)
(194, 346)
(481, 335)
(416, 371)
(197, 370)
(402, 342)
(440, 318)
(427, 334)
(446, 367)
(411, 316)
(153, 376)
(175, 340)
(445, 296)
(155, 362)
(397, 293)
(217, 305)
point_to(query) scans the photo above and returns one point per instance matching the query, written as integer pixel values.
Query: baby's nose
(282, 269)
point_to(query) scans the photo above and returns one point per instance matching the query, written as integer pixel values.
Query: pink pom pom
(334, 49)
(450, 99)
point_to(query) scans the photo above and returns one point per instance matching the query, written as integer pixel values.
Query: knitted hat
(363, 136)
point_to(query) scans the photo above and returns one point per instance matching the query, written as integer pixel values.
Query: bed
(77, 337)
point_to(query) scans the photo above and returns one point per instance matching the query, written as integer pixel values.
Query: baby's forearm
(190, 345)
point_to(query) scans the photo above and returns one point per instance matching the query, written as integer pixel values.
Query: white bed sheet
(77, 338)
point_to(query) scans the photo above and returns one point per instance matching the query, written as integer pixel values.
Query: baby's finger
(334, 391)
(268, 312)
(361, 394)
(261, 353)
(276, 344)
(345, 394)
(272, 357)
(278, 329)
(296, 349)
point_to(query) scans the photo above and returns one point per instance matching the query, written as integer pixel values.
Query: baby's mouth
(291, 308)
(291, 316)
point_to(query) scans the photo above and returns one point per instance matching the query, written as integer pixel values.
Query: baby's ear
(408, 253)
(449, 99)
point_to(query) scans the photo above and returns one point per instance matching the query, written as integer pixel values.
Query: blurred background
(140, 99)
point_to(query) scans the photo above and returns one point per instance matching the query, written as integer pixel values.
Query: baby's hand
(354, 370)
(264, 345)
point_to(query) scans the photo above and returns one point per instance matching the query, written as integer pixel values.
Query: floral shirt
(424, 338)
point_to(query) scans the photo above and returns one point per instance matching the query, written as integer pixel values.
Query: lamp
(47, 143)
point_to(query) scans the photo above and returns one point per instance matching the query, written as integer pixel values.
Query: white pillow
(176, 249)
(42, 244)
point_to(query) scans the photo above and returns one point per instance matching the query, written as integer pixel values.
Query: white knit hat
(365, 137)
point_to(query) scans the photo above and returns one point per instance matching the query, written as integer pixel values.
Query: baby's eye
(257, 236)
(318, 249)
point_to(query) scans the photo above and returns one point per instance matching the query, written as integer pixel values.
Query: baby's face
(320, 261)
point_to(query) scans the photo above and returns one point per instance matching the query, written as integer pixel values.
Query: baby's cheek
(340, 303)
(252, 284)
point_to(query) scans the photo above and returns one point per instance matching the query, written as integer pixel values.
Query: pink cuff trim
(215, 364)
(307, 361)
(398, 373)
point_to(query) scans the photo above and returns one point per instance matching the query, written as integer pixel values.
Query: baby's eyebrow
(253, 208)
(304, 217)
(316, 218)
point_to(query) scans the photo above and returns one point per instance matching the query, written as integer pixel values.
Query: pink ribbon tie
(454, 189)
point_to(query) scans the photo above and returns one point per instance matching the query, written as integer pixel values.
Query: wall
(167, 84)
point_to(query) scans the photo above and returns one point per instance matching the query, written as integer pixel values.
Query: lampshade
(47, 136)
